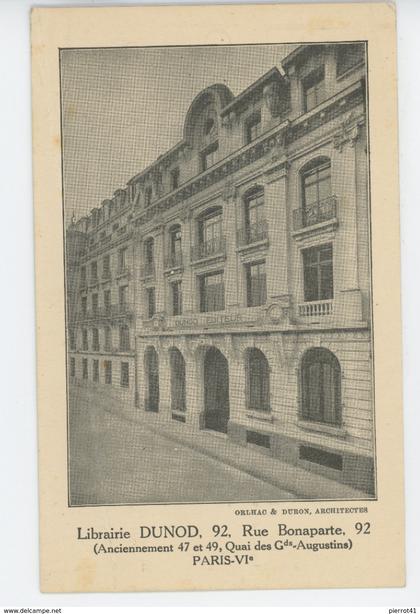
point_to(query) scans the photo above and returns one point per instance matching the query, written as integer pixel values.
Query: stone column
(188, 290)
(193, 389)
(347, 295)
(140, 378)
(231, 264)
(160, 280)
(164, 383)
(275, 202)
(237, 397)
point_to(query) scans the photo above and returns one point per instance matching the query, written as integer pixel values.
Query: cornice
(278, 139)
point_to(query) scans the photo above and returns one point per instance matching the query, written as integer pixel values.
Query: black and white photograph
(217, 273)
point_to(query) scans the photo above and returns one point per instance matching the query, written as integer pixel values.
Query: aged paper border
(65, 565)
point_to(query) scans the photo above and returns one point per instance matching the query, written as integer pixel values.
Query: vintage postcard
(218, 297)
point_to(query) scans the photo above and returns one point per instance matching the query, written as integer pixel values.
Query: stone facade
(247, 269)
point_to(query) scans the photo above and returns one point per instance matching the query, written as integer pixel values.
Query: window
(348, 56)
(176, 241)
(72, 367)
(210, 233)
(95, 304)
(314, 89)
(321, 387)
(84, 368)
(107, 302)
(108, 371)
(212, 292)
(107, 332)
(125, 375)
(175, 247)
(151, 302)
(122, 297)
(84, 306)
(106, 267)
(175, 178)
(255, 223)
(122, 259)
(95, 374)
(258, 380)
(208, 126)
(209, 156)
(256, 284)
(148, 196)
(95, 340)
(253, 127)
(149, 257)
(316, 193)
(85, 344)
(94, 272)
(124, 338)
(176, 289)
(318, 273)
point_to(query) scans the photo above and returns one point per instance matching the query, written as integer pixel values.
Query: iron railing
(315, 213)
(206, 249)
(252, 233)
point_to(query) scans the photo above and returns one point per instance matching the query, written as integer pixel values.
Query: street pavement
(115, 461)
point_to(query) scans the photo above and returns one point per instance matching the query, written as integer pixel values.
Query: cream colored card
(218, 307)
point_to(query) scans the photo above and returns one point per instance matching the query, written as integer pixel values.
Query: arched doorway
(177, 362)
(152, 380)
(216, 391)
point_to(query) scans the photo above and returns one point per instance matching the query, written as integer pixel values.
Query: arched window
(321, 387)
(318, 205)
(258, 381)
(174, 257)
(255, 227)
(210, 238)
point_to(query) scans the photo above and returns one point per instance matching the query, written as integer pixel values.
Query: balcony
(106, 275)
(148, 270)
(252, 233)
(316, 213)
(123, 271)
(173, 261)
(315, 309)
(209, 249)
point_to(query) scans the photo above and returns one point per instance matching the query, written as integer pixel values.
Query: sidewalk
(301, 483)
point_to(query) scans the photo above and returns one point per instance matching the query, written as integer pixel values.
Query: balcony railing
(123, 270)
(252, 233)
(316, 309)
(172, 261)
(148, 270)
(315, 213)
(206, 249)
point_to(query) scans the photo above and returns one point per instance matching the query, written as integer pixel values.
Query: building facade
(247, 271)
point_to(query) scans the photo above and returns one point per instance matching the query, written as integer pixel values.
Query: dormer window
(253, 127)
(209, 156)
(208, 125)
(314, 89)
(148, 196)
(175, 178)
